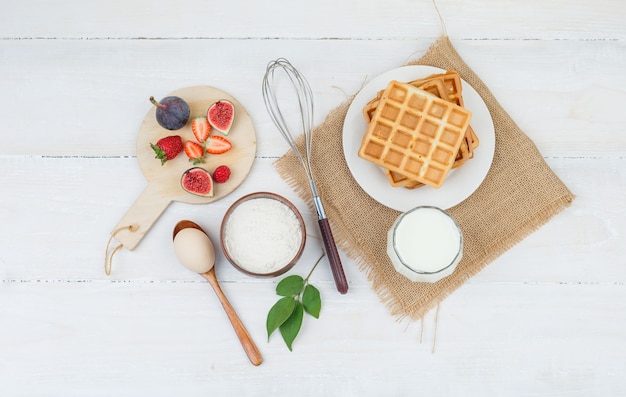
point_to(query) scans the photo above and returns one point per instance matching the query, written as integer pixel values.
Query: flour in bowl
(262, 235)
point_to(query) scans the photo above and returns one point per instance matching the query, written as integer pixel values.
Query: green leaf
(312, 301)
(290, 328)
(279, 313)
(290, 286)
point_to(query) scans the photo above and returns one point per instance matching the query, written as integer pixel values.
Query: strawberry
(218, 144)
(201, 128)
(167, 148)
(221, 174)
(194, 151)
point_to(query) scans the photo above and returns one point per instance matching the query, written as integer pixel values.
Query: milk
(425, 244)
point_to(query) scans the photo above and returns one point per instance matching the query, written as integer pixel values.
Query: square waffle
(466, 152)
(454, 92)
(435, 86)
(452, 82)
(415, 134)
(444, 85)
(448, 87)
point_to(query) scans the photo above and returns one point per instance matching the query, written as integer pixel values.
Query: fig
(172, 112)
(221, 115)
(197, 181)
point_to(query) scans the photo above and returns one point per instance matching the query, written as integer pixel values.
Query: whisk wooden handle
(333, 256)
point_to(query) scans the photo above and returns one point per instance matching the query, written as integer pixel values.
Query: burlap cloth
(519, 194)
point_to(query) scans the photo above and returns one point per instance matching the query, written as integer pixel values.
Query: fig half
(197, 181)
(221, 115)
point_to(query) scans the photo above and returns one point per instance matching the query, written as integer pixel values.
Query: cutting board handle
(140, 217)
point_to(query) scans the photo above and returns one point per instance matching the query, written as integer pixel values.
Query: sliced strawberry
(167, 148)
(194, 151)
(218, 144)
(201, 128)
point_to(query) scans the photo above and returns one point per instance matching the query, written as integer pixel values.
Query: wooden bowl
(276, 271)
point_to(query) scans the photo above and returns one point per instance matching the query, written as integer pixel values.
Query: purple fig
(172, 112)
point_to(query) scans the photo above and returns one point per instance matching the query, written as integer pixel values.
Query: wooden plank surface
(546, 318)
(555, 90)
(324, 19)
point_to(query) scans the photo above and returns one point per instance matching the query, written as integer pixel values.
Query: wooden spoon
(200, 258)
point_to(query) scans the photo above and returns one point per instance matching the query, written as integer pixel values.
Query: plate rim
(444, 197)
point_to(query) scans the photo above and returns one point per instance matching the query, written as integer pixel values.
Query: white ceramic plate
(460, 183)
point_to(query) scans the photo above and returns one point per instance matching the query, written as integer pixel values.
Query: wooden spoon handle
(244, 337)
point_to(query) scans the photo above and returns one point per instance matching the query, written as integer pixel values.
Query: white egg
(194, 250)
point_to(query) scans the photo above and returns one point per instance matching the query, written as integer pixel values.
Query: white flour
(262, 235)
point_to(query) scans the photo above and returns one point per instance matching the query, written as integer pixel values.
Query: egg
(194, 250)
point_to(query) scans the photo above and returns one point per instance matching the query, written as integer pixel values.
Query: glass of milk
(425, 244)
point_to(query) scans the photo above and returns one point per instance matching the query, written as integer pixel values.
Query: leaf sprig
(298, 296)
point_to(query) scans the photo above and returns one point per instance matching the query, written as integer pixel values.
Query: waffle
(444, 85)
(452, 82)
(466, 152)
(447, 87)
(454, 91)
(415, 134)
(435, 86)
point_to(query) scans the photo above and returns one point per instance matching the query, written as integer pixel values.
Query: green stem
(306, 280)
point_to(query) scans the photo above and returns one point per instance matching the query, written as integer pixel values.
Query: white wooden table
(546, 318)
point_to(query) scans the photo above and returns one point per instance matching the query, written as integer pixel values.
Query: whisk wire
(304, 97)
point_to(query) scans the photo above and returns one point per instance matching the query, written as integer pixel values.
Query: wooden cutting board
(164, 180)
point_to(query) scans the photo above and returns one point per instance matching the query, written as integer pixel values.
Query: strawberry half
(194, 151)
(218, 144)
(167, 148)
(201, 128)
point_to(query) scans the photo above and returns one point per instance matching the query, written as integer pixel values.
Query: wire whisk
(305, 105)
